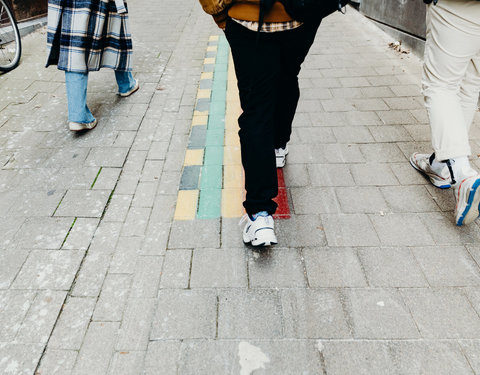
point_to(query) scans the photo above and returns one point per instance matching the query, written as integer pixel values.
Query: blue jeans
(77, 83)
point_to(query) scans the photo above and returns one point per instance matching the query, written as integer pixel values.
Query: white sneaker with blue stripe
(259, 230)
(467, 195)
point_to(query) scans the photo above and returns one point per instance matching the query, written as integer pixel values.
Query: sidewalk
(115, 260)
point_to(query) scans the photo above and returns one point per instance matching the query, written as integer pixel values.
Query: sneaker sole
(132, 91)
(269, 240)
(471, 211)
(78, 127)
(433, 181)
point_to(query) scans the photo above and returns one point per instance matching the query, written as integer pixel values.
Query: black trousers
(267, 69)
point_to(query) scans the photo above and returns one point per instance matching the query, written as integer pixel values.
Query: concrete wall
(27, 9)
(403, 19)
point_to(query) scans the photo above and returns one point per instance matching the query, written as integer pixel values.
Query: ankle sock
(258, 214)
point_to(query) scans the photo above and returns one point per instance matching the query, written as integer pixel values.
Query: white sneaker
(421, 162)
(259, 232)
(280, 155)
(78, 126)
(131, 91)
(467, 195)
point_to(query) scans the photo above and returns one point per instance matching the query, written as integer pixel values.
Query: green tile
(211, 177)
(216, 122)
(213, 155)
(215, 137)
(210, 204)
(217, 108)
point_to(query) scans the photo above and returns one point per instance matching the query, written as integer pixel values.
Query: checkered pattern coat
(86, 35)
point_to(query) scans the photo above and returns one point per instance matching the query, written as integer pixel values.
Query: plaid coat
(86, 35)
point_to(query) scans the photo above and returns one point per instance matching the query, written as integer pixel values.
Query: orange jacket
(247, 10)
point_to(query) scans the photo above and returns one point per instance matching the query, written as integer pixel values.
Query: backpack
(312, 10)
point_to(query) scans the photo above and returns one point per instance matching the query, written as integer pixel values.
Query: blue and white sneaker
(440, 179)
(467, 195)
(281, 156)
(259, 229)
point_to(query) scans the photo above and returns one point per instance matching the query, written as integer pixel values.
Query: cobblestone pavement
(370, 276)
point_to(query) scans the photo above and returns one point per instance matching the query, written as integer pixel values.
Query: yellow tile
(186, 205)
(232, 203)
(200, 113)
(206, 75)
(199, 120)
(204, 93)
(232, 139)
(209, 60)
(231, 155)
(233, 177)
(193, 157)
(213, 38)
(212, 48)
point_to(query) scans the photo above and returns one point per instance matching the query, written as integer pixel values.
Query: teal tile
(215, 137)
(216, 122)
(211, 177)
(210, 204)
(213, 155)
(217, 108)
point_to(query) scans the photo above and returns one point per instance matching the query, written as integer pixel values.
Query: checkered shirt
(86, 35)
(270, 27)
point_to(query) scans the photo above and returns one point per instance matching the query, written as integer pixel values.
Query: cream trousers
(451, 74)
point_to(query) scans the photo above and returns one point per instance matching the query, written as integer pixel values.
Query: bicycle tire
(14, 43)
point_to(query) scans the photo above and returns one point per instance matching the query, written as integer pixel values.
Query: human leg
(78, 110)
(127, 85)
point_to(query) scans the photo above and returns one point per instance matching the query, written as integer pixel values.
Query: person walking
(451, 85)
(267, 57)
(85, 36)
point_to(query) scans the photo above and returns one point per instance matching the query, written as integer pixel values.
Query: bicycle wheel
(10, 42)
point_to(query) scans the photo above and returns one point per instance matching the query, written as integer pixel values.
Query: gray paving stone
(126, 252)
(15, 305)
(444, 231)
(164, 355)
(427, 357)
(218, 268)
(57, 362)
(135, 327)
(357, 358)
(183, 314)
(382, 152)
(97, 349)
(330, 175)
(152, 170)
(379, 314)
(471, 349)
(442, 313)
(176, 269)
(81, 234)
(349, 230)
(19, 359)
(447, 266)
(44, 233)
(409, 199)
(391, 267)
(83, 203)
(145, 194)
(301, 231)
(358, 199)
(12, 261)
(314, 313)
(314, 200)
(91, 275)
(315, 135)
(107, 157)
(48, 270)
(36, 203)
(127, 183)
(105, 238)
(118, 207)
(41, 317)
(373, 174)
(127, 362)
(333, 268)
(113, 298)
(107, 179)
(72, 324)
(206, 234)
(239, 314)
(353, 134)
(277, 268)
(391, 133)
(296, 175)
(146, 278)
(136, 222)
(401, 230)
